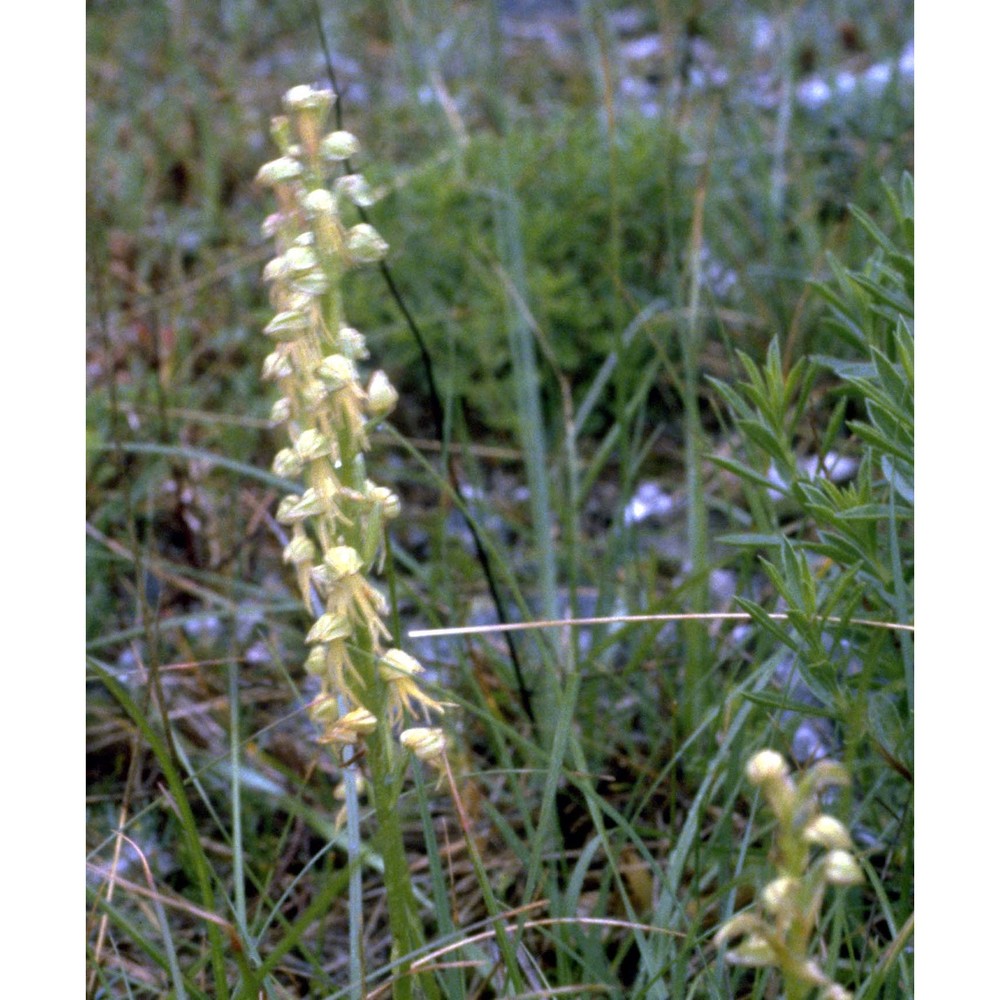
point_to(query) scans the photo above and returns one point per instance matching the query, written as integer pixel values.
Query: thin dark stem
(437, 407)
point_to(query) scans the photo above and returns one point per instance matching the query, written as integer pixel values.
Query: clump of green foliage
(842, 549)
(837, 552)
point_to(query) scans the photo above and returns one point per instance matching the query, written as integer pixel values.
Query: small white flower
(365, 245)
(303, 98)
(339, 146)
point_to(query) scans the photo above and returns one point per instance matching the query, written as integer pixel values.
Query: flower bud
(284, 168)
(351, 343)
(778, 895)
(288, 325)
(766, 766)
(840, 868)
(281, 411)
(754, 951)
(276, 366)
(319, 202)
(427, 744)
(827, 832)
(382, 396)
(342, 561)
(323, 709)
(307, 98)
(350, 727)
(738, 926)
(395, 662)
(294, 508)
(313, 282)
(361, 720)
(311, 504)
(287, 464)
(339, 146)
(276, 269)
(315, 664)
(312, 444)
(327, 628)
(337, 371)
(355, 189)
(301, 258)
(365, 245)
(286, 506)
(299, 550)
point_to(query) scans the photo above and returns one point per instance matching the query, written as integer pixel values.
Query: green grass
(607, 300)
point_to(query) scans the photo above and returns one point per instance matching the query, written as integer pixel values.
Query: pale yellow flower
(429, 745)
(349, 594)
(400, 670)
(351, 727)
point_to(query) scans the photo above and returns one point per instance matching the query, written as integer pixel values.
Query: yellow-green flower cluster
(336, 520)
(812, 851)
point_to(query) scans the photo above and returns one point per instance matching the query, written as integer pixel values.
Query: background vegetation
(676, 376)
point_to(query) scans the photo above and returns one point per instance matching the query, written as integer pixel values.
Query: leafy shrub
(842, 551)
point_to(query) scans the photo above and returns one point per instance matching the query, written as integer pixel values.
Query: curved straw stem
(423, 633)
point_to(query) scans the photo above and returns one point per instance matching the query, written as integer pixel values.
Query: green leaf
(768, 442)
(750, 539)
(744, 472)
(782, 704)
(900, 478)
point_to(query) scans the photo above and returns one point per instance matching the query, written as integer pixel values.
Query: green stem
(696, 639)
(389, 840)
